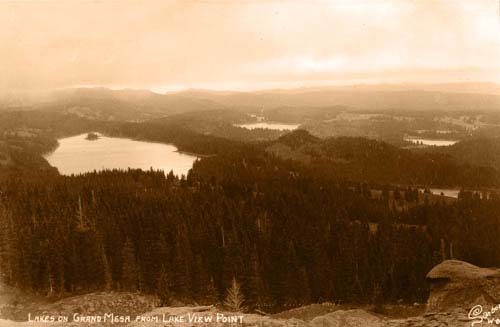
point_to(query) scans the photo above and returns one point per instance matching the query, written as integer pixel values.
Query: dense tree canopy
(289, 234)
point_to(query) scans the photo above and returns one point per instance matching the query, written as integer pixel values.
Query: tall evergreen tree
(234, 299)
(130, 274)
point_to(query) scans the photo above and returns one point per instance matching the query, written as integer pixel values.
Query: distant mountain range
(466, 96)
(127, 104)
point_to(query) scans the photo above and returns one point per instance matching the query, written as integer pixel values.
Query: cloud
(250, 42)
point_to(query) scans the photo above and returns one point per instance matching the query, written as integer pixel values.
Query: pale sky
(246, 44)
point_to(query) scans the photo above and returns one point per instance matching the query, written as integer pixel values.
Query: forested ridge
(479, 151)
(361, 159)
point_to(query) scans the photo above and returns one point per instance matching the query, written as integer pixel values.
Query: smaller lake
(276, 126)
(452, 193)
(421, 141)
(76, 155)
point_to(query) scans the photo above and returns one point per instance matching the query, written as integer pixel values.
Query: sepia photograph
(249, 163)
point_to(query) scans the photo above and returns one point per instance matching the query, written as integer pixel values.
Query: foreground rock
(459, 285)
(338, 318)
(349, 318)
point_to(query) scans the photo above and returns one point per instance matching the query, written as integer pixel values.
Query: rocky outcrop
(453, 319)
(460, 285)
(348, 318)
(339, 318)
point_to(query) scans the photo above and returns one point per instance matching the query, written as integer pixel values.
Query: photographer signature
(479, 316)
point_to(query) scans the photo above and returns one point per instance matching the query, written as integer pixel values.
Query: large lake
(77, 155)
(264, 125)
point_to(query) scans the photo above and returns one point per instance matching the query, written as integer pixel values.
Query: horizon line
(172, 89)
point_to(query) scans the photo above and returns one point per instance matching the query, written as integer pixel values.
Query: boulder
(348, 318)
(460, 285)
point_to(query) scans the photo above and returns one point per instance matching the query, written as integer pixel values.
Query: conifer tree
(130, 275)
(108, 279)
(163, 288)
(235, 300)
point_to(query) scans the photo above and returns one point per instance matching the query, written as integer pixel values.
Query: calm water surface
(77, 155)
(452, 193)
(417, 140)
(277, 126)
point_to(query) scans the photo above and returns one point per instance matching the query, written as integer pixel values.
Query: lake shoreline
(75, 155)
(269, 125)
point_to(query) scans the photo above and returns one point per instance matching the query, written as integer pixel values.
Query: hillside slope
(360, 158)
(477, 151)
